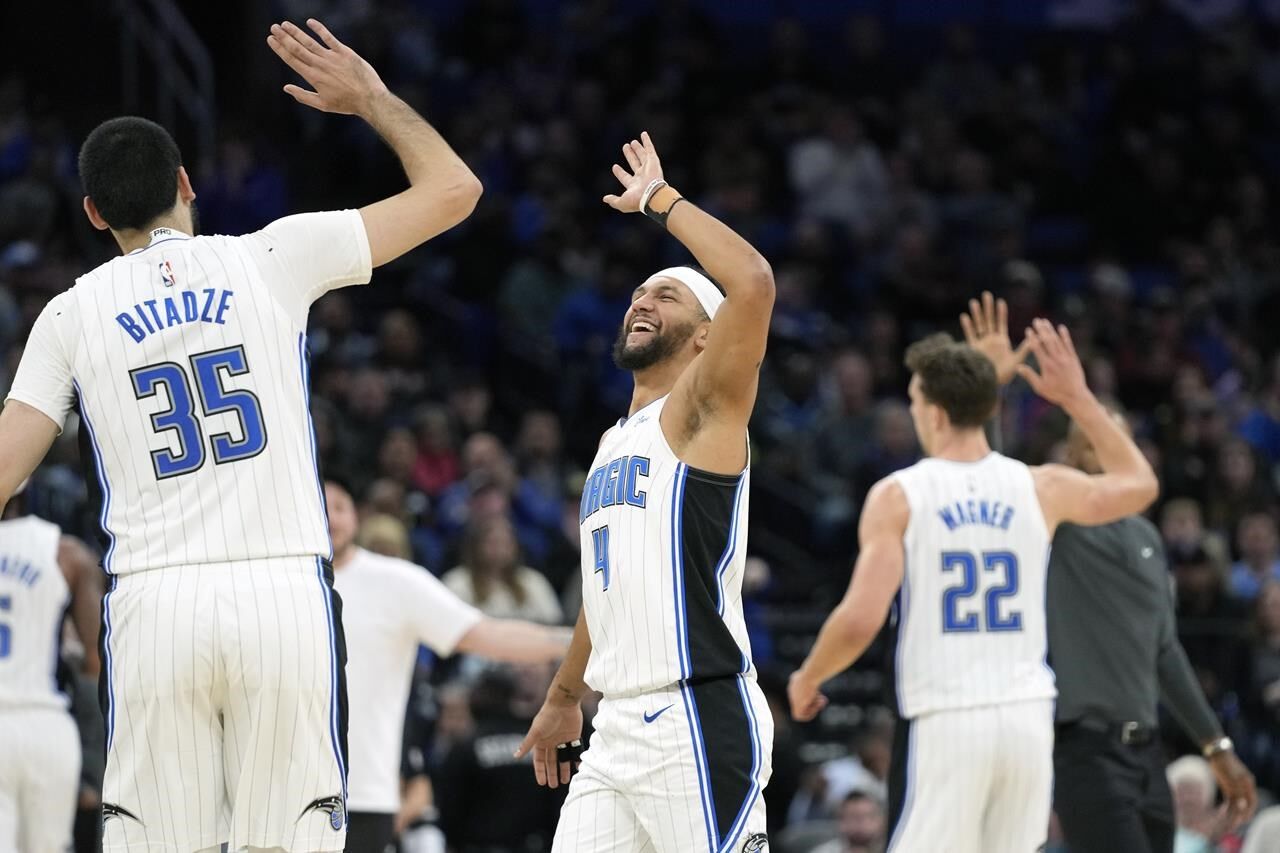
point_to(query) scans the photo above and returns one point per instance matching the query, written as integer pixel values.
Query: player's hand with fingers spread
(1239, 791)
(1061, 378)
(343, 81)
(805, 697)
(986, 329)
(558, 725)
(646, 171)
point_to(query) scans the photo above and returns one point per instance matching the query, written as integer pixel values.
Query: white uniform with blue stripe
(681, 748)
(973, 757)
(39, 745)
(186, 360)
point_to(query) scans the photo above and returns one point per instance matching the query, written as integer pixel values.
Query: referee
(1114, 647)
(1113, 643)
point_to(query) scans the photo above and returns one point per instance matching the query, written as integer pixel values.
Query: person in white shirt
(389, 607)
(223, 653)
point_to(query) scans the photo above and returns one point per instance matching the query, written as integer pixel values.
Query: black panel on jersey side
(892, 634)
(340, 652)
(726, 734)
(899, 767)
(704, 534)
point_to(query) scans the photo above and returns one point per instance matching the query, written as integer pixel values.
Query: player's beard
(656, 350)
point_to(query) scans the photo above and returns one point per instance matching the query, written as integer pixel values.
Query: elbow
(1148, 491)
(757, 283)
(464, 193)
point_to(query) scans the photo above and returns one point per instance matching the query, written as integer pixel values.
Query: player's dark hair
(129, 167)
(956, 377)
(859, 797)
(332, 480)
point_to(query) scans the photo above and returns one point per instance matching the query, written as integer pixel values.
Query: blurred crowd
(1121, 181)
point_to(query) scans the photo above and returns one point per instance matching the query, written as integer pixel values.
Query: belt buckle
(1129, 732)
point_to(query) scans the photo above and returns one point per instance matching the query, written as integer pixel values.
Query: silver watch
(1214, 747)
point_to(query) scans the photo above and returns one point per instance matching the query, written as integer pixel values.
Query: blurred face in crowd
(1269, 610)
(398, 454)
(1181, 522)
(664, 320)
(343, 521)
(862, 822)
(498, 545)
(1258, 539)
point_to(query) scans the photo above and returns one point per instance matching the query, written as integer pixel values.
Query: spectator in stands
(1262, 699)
(861, 820)
(488, 800)
(1259, 545)
(1194, 791)
(492, 579)
(436, 467)
(1208, 620)
(385, 535)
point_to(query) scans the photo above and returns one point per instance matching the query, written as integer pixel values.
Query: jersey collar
(162, 235)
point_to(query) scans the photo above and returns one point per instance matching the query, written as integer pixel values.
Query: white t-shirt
(389, 606)
(187, 361)
(540, 602)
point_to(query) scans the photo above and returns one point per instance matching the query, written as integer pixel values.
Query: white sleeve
(309, 254)
(43, 380)
(439, 618)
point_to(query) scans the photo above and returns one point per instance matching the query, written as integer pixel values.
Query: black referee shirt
(1113, 639)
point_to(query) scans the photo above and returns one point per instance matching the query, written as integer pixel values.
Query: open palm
(642, 157)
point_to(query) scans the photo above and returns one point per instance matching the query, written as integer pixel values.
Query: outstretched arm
(1127, 485)
(724, 378)
(853, 625)
(515, 641)
(442, 190)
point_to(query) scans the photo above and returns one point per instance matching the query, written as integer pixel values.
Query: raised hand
(986, 329)
(343, 81)
(1061, 378)
(642, 157)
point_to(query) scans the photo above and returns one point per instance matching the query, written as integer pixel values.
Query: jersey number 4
(208, 369)
(600, 544)
(957, 597)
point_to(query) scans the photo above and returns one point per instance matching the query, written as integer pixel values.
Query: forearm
(1180, 690)
(730, 260)
(843, 639)
(427, 159)
(1118, 455)
(569, 683)
(516, 641)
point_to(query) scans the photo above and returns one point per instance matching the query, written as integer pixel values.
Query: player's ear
(186, 194)
(91, 211)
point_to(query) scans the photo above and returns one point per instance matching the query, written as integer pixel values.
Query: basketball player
(682, 740)
(186, 359)
(389, 607)
(961, 540)
(43, 577)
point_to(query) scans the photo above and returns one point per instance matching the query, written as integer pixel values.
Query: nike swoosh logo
(649, 718)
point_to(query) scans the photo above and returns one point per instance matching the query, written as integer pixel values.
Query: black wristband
(661, 218)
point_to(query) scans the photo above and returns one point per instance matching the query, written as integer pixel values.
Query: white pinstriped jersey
(187, 359)
(33, 601)
(663, 550)
(971, 611)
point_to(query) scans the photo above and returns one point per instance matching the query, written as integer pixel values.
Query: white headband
(707, 294)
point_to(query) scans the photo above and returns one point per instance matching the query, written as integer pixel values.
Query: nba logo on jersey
(166, 273)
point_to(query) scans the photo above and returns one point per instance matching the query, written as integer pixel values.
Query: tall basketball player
(44, 576)
(960, 541)
(186, 357)
(682, 740)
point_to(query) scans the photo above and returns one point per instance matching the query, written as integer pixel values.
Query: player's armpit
(1073, 496)
(26, 434)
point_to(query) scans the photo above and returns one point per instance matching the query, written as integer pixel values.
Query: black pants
(369, 832)
(1111, 798)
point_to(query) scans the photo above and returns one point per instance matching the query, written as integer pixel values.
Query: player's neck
(139, 238)
(654, 382)
(962, 446)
